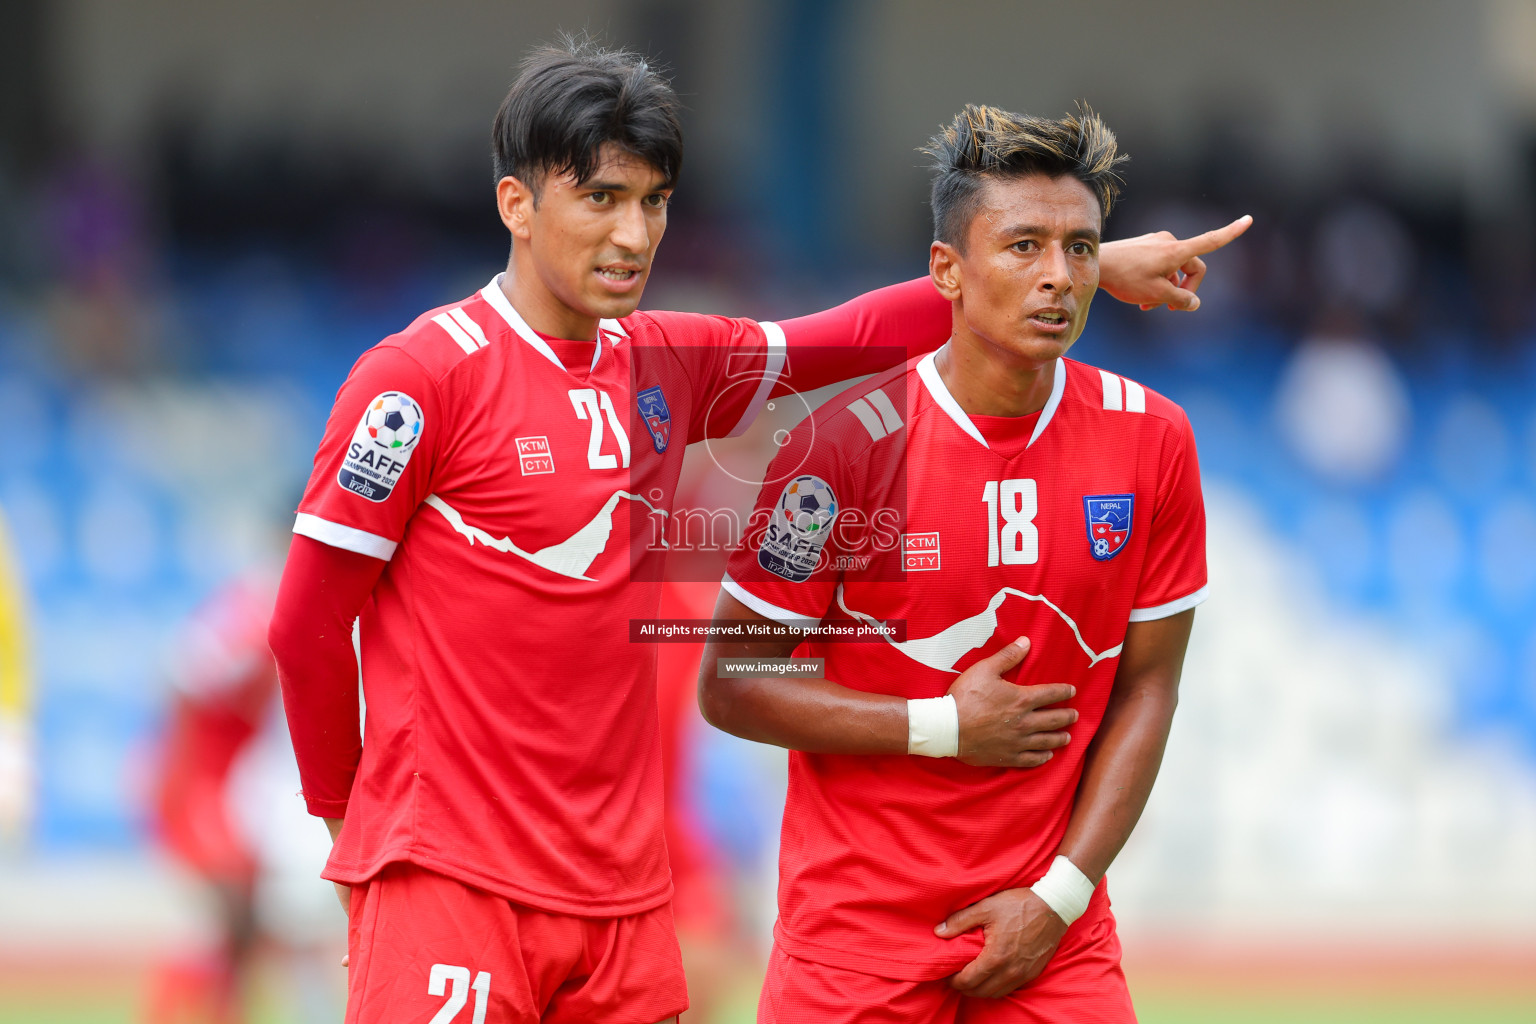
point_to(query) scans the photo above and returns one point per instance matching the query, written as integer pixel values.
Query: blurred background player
(718, 951)
(227, 808)
(17, 778)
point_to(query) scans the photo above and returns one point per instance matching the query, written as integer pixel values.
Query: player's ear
(944, 268)
(515, 203)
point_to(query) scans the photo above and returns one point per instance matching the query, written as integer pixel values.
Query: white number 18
(1019, 541)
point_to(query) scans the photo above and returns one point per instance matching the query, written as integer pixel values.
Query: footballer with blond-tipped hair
(957, 790)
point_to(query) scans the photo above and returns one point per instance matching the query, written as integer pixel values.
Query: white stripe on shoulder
(345, 537)
(470, 327)
(1135, 396)
(1162, 611)
(886, 408)
(773, 366)
(866, 415)
(766, 609)
(464, 341)
(1111, 389)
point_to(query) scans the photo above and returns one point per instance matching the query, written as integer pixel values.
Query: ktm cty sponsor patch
(381, 446)
(534, 457)
(920, 552)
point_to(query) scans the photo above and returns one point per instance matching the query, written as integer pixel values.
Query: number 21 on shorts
(1018, 541)
(452, 981)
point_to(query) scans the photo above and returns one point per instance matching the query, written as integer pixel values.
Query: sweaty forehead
(1059, 205)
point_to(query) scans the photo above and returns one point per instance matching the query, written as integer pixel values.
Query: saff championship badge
(801, 523)
(381, 446)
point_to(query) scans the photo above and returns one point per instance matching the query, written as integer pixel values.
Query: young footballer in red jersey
(224, 685)
(924, 876)
(481, 498)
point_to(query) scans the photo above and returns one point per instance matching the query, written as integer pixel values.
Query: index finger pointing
(1212, 240)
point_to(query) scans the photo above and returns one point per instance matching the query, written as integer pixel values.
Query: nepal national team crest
(1109, 523)
(657, 418)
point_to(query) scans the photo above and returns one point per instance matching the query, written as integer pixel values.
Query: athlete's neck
(990, 381)
(542, 310)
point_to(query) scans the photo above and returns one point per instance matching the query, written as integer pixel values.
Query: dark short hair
(573, 97)
(985, 142)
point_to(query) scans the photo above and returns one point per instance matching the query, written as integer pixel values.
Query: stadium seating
(131, 496)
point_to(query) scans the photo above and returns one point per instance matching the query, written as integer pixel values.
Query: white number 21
(452, 981)
(1019, 541)
(587, 402)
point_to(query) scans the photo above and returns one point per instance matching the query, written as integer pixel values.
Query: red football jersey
(224, 680)
(1062, 526)
(511, 732)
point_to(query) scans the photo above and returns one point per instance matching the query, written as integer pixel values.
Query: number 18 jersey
(894, 508)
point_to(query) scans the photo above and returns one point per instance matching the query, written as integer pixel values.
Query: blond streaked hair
(984, 142)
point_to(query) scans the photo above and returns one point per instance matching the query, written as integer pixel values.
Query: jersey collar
(497, 298)
(929, 374)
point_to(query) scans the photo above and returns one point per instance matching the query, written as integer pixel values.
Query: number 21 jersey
(512, 739)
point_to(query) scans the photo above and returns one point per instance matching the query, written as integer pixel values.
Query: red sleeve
(1173, 577)
(374, 465)
(787, 566)
(730, 364)
(736, 365)
(867, 334)
(322, 591)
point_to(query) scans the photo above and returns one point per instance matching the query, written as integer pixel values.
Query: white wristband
(1064, 889)
(933, 727)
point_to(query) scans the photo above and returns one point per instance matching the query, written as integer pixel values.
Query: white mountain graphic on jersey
(944, 648)
(571, 557)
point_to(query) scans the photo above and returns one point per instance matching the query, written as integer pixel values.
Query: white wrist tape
(933, 727)
(1064, 889)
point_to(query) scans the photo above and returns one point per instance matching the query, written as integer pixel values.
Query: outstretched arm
(1158, 269)
(1022, 931)
(888, 326)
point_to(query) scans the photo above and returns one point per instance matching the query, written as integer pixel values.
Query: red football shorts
(1083, 984)
(425, 948)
